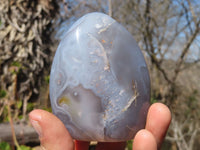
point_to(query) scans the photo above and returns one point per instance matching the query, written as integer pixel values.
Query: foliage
(30, 106)
(5, 146)
(4, 115)
(2, 93)
(47, 78)
(129, 144)
(23, 147)
(153, 100)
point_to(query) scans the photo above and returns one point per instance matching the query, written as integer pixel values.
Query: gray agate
(99, 82)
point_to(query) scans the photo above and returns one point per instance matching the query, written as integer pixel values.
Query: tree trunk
(24, 133)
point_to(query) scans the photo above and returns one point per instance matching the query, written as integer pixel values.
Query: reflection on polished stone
(99, 83)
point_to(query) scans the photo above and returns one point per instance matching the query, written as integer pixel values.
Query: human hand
(54, 136)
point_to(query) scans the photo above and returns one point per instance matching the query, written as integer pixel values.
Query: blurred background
(168, 33)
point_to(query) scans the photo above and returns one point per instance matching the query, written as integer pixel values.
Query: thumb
(52, 132)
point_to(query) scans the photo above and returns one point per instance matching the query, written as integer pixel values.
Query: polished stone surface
(99, 82)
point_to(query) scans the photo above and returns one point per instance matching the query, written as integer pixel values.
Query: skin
(54, 136)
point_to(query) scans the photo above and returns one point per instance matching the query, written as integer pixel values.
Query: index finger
(158, 121)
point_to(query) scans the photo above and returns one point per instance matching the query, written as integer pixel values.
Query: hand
(54, 136)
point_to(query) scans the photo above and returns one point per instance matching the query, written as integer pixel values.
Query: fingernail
(37, 127)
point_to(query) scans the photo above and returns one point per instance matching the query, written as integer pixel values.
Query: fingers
(111, 145)
(158, 120)
(144, 140)
(52, 133)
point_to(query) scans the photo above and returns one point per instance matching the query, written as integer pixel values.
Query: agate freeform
(99, 81)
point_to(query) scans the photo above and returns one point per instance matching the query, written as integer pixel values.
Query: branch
(185, 50)
(149, 42)
(110, 7)
(24, 133)
(12, 127)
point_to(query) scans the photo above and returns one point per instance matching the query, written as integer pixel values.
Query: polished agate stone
(99, 82)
